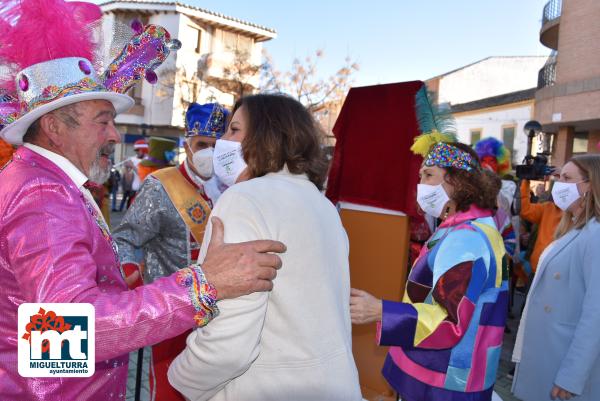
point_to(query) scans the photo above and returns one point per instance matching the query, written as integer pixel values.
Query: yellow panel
(429, 318)
(378, 264)
(497, 246)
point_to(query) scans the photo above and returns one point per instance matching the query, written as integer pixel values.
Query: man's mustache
(107, 150)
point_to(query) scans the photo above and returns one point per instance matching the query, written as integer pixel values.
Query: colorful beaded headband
(445, 155)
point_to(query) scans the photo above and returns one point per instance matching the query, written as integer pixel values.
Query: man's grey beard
(97, 173)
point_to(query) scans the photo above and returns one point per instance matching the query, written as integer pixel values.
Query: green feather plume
(436, 123)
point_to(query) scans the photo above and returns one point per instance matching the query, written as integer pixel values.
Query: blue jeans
(114, 198)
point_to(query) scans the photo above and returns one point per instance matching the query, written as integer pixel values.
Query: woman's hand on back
(364, 307)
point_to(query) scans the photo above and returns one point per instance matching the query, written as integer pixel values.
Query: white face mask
(432, 199)
(564, 194)
(228, 161)
(203, 162)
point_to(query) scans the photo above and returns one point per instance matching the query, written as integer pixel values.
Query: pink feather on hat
(34, 31)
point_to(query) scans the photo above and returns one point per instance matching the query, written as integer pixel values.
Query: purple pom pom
(24, 83)
(137, 26)
(84, 67)
(151, 77)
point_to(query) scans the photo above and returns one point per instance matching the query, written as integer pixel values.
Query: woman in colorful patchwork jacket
(446, 335)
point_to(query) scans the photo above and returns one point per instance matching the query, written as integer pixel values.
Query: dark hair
(281, 132)
(32, 132)
(494, 183)
(68, 114)
(471, 187)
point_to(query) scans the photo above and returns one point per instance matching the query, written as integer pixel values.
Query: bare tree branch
(322, 97)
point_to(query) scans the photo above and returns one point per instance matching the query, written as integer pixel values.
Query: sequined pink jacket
(53, 250)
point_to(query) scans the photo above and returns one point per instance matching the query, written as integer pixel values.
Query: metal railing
(547, 75)
(552, 11)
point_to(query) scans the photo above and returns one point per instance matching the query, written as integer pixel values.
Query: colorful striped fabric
(507, 231)
(446, 335)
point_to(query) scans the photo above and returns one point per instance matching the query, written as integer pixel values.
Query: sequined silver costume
(153, 225)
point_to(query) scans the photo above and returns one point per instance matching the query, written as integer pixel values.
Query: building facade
(567, 102)
(493, 97)
(502, 117)
(218, 54)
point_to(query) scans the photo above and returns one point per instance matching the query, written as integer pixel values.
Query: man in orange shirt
(546, 215)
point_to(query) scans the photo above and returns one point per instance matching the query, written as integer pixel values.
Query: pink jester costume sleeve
(446, 335)
(54, 248)
(54, 245)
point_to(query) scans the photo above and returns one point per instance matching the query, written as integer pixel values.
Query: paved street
(503, 383)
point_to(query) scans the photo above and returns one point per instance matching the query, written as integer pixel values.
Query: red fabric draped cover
(372, 163)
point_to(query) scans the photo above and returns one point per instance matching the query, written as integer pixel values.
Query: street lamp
(532, 129)
(546, 143)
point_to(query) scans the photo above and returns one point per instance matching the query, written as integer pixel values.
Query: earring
(446, 213)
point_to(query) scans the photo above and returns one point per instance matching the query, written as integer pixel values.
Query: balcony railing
(552, 11)
(547, 75)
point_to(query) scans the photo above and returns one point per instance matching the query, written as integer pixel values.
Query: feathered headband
(493, 155)
(437, 135)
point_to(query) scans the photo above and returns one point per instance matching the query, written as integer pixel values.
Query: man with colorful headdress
(140, 147)
(495, 157)
(168, 219)
(161, 152)
(55, 247)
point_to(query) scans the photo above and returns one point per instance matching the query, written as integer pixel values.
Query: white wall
(490, 77)
(187, 63)
(491, 123)
(161, 102)
(222, 56)
(158, 107)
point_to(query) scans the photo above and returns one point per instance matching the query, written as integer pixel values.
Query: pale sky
(393, 40)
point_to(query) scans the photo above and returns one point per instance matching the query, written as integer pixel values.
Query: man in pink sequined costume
(56, 247)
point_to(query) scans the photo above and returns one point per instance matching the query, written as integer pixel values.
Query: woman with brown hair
(558, 345)
(446, 335)
(293, 343)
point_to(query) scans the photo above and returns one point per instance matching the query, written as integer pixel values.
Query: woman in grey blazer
(558, 343)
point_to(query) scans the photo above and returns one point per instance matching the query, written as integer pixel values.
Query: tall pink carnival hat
(50, 58)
